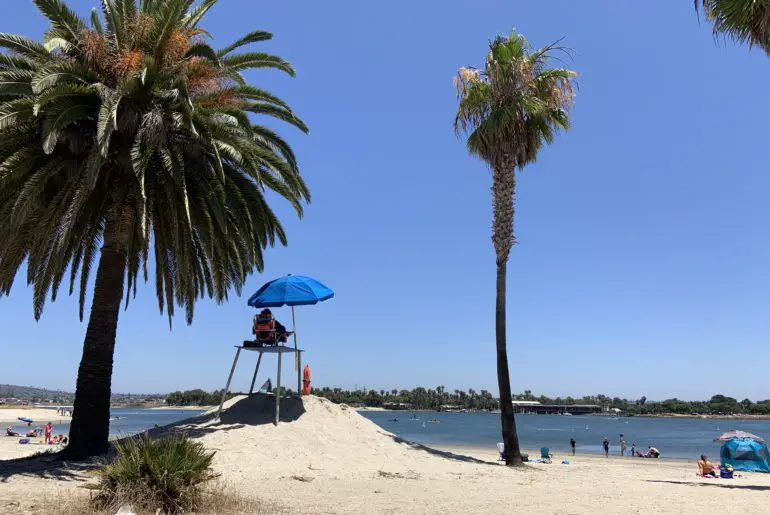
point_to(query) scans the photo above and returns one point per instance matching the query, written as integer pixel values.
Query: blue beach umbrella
(291, 290)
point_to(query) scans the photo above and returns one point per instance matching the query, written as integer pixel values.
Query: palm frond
(24, 47)
(251, 37)
(251, 60)
(65, 23)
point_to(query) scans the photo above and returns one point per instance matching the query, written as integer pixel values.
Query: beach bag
(726, 472)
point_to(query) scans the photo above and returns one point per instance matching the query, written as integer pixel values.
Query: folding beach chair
(501, 449)
(545, 455)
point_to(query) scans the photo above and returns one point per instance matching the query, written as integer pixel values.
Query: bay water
(674, 437)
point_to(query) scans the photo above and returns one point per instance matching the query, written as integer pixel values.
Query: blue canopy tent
(746, 454)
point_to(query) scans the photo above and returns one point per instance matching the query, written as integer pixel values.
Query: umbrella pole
(294, 330)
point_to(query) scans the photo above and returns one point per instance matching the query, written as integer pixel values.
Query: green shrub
(167, 474)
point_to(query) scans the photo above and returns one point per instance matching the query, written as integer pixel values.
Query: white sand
(10, 416)
(328, 459)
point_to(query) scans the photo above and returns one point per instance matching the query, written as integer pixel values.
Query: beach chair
(264, 330)
(545, 455)
(501, 450)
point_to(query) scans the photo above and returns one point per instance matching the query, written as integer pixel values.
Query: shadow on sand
(442, 454)
(48, 466)
(714, 482)
(254, 410)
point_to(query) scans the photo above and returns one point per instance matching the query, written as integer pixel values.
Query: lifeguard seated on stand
(268, 330)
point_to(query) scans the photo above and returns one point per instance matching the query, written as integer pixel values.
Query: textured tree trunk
(503, 190)
(89, 430)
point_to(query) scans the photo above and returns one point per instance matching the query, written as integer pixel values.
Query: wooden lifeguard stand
(271, 349)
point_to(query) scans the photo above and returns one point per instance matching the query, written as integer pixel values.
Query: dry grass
(219, 499)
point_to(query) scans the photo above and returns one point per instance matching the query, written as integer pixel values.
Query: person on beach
(572, 443)
(652, 452)
(705, 467)
(622, 445)
(48, 432)
(606, 445)
(268, 330)
(10, 432)
(633, 449)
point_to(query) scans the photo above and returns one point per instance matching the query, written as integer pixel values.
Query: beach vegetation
(509, 110)
(128, 140)
(168, 473)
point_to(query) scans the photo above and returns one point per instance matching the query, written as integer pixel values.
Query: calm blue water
(674, 437)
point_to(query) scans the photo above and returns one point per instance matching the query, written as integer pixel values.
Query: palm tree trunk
(89, 430)
(503, 191)
(510, 436)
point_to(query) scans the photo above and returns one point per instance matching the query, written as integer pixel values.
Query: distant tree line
(196, 397)
(439, 398)
(417, 398)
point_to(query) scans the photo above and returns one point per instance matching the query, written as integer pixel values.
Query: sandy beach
(325, 458)
(10, 416)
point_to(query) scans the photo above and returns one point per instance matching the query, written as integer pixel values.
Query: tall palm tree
(745, 21)
(129, 133)
(509, 111)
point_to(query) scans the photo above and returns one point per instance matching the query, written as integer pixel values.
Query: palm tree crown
(512, 108)
(745, 21)
(130, 132)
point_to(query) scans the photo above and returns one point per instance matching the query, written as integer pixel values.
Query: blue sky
(643, 257)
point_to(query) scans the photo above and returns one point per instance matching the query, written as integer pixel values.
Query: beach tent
(746, 454)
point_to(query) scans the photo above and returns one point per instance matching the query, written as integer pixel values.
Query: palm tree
(509, 111)
(128, 134)
(741, 20)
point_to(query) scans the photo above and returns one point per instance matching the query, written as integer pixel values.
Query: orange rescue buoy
(306, 380)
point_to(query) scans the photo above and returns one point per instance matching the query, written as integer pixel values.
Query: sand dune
(324, 458)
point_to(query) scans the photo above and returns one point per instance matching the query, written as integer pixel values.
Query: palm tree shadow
(761, 488)
(441, 454)
(48, 466)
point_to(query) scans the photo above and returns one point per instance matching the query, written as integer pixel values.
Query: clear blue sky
(643, 266)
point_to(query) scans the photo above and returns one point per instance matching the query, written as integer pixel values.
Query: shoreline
(661, 415)
(557, 455)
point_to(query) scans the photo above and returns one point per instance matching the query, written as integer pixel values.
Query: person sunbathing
(705, 467)
(10, 432)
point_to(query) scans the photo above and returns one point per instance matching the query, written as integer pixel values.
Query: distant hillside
(31, 393)
(35, 394)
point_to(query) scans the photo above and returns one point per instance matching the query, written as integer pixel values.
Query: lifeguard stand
(271, 349)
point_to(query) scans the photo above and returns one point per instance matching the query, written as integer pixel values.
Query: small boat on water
(435, 421)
